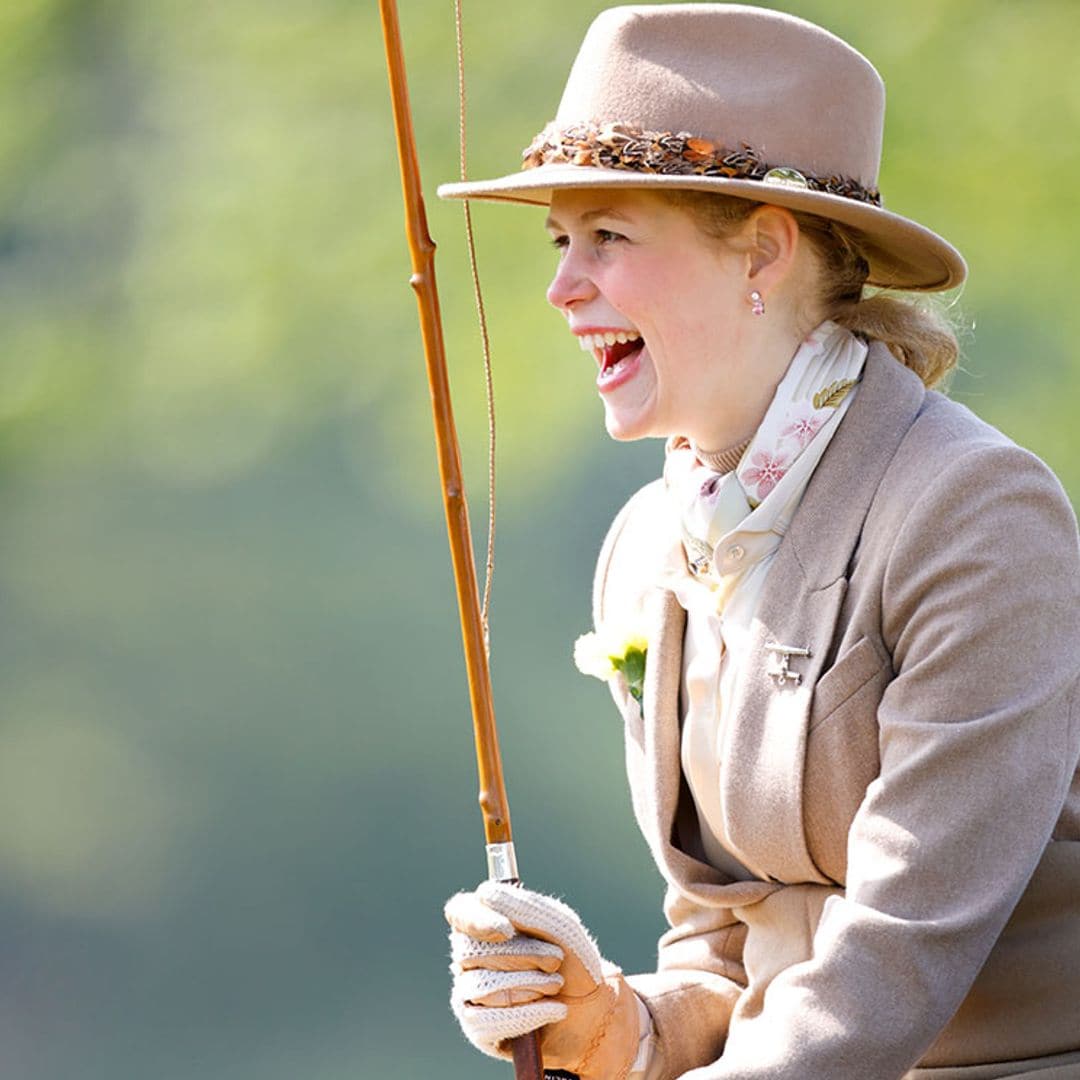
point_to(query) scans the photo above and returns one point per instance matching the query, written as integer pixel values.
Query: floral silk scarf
(758, 498)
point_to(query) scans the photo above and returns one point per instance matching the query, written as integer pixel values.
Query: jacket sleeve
(697, 982)
(981, 592)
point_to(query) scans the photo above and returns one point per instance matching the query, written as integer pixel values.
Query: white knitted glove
(523, 961)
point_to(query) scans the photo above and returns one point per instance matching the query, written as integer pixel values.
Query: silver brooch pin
(779, 669)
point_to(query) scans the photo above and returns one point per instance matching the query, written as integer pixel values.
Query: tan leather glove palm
(523, 961)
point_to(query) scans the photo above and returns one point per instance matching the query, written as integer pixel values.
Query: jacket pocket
(841, 752)
(845, 679)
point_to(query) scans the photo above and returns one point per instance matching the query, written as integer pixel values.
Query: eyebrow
(590, 215)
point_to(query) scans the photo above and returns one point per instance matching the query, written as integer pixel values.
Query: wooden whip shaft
(493, 805)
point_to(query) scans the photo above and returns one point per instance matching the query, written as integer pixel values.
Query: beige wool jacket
(904, 821)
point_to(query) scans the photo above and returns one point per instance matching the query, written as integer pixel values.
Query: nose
(571, 284)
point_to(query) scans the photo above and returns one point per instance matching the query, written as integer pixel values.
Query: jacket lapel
(764, 743)
(666, 623)
(764, 746)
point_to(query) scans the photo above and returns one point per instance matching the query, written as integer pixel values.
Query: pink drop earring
(757, 304)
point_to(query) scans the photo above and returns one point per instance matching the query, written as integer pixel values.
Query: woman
(855, 753)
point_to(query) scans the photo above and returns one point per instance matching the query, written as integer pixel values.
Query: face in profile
(660, 307)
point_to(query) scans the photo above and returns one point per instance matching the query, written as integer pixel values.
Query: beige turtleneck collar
(721, 461)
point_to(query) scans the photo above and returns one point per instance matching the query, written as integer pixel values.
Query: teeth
(589, 342)
(611, 372)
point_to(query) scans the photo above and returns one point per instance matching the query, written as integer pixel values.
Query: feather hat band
(733, 99)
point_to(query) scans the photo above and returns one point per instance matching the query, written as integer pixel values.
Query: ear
(773, 241)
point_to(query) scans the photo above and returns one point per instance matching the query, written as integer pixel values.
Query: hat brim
(902, 254)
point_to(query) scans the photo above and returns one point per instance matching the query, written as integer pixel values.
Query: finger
(520, 953)
(495, 962)
(543, 917)
(491, 1029)
(499, 989)
(506, 998)
(466, 913)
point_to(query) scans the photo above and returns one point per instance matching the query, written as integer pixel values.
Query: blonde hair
(917, 331)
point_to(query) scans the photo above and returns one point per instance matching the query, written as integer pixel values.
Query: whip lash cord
(489, 566)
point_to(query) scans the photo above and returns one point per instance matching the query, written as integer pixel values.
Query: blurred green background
(236, 773)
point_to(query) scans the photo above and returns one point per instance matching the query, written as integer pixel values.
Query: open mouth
(611, 349)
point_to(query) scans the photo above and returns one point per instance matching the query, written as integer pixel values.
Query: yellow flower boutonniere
(609, 651)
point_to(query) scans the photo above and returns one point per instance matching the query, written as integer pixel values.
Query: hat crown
(798, 95)
(737, 100)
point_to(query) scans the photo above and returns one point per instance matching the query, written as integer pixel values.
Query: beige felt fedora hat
(733, 99)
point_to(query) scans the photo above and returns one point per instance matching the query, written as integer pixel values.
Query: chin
(622, 430)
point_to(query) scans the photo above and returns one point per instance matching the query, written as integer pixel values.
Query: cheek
(696, 293)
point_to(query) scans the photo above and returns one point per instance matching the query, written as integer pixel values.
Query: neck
(768, 351)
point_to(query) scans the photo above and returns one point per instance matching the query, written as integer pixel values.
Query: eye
(606, 236)
(560, 242)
